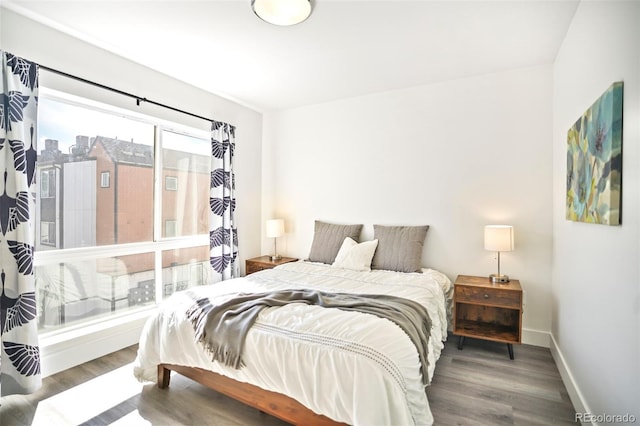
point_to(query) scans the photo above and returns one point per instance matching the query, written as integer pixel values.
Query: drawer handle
(486, 296)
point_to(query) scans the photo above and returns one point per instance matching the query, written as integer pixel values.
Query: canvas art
(594, 161)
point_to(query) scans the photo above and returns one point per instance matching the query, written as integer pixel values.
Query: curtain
(223, 235)
(20, 357)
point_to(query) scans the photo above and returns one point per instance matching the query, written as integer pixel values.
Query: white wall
(56, 49)
(596, 275)
(456, 155)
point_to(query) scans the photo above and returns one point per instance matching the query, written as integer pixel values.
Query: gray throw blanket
(222, 328)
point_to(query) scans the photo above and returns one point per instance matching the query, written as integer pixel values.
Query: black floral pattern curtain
(223, 235)
(20, 357)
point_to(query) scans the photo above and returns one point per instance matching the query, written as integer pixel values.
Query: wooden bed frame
(273, 403)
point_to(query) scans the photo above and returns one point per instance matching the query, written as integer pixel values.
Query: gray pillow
(328, 238)
(399, 247)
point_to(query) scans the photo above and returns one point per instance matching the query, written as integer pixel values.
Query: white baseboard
(577, 399)
(61, 351)
(535, 337)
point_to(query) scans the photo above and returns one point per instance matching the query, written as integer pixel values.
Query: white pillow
(355, 256)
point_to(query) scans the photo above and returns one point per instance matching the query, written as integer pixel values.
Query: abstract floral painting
(594, 161)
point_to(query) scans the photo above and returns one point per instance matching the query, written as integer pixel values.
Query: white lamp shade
(275, 228)
(282, 12)
(498, 237)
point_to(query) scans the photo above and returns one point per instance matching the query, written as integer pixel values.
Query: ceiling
(345, 49)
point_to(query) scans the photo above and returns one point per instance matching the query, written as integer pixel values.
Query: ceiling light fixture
(282, 12)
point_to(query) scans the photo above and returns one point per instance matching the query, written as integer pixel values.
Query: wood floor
(480, 385)
(476, 386)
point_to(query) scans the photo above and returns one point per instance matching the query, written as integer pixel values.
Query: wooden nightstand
(487, 311)
(264, 262)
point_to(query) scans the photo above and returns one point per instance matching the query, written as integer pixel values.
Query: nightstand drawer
(488, 296)
(264, 262)
(252, 267)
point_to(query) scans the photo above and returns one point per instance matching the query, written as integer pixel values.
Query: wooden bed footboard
(273, 403)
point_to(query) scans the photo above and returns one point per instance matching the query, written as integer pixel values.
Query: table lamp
(275, 229)
(498, 238)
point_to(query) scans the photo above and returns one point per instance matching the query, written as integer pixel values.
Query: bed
(307, 364)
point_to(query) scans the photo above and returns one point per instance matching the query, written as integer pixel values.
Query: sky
(63, 122)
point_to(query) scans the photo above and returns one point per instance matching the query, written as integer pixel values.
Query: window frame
(170, 223)
(173, 186)
(157, 245)
(107, 175)
(48, 242)
(46, 183)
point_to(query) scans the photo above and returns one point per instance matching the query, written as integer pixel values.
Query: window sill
(64, 349)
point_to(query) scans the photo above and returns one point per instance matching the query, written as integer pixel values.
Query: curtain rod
(131, 95)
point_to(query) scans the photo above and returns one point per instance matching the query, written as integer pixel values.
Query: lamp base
(495, 278)
(275, 257)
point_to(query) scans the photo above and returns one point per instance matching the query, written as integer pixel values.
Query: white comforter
(351, 367)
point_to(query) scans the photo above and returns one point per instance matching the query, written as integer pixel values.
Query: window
(101, 253)
(46, 206)
(104, 179)
(48, 233)
(184, 268)
(170, 228)
(48, 183)
(186, 159)
(171, 183)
